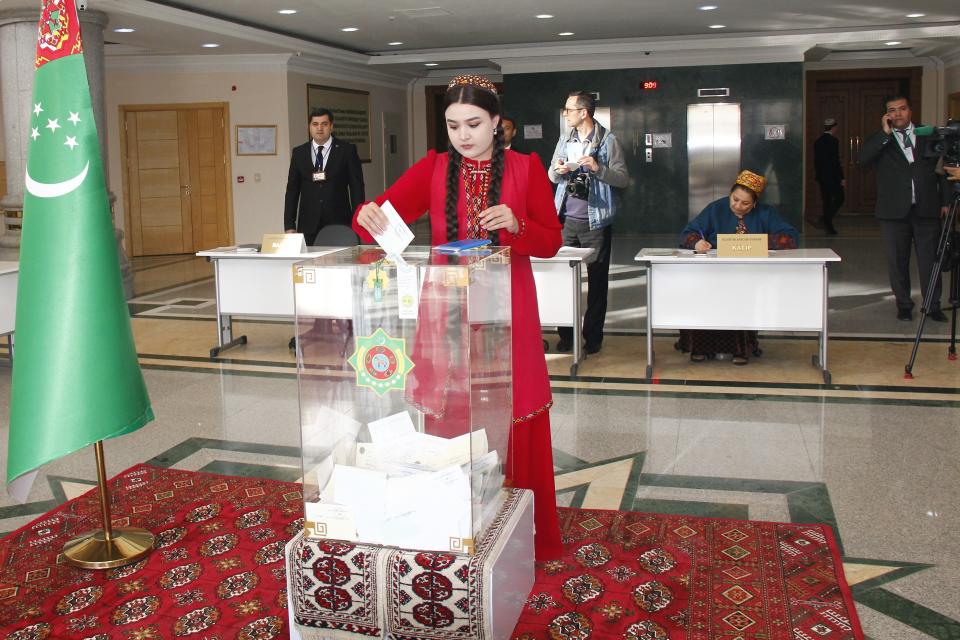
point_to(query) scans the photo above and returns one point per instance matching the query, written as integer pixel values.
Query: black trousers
(832, 196)
(577, 233)
(898, 237)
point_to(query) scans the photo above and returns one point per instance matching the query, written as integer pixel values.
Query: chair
(333, 235)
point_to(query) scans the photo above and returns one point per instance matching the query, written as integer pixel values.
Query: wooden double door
(175, 182)
(856, 100)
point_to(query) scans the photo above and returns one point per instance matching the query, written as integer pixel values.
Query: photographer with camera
(911, 198)
(587, 165)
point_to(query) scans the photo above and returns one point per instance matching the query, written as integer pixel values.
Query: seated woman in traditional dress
(739, 213)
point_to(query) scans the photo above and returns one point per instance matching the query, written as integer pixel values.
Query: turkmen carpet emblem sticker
(381, 362)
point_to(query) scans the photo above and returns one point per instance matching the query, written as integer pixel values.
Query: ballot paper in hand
(397, 235)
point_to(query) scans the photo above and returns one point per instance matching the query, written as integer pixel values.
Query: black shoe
(937, 316)
(564, 347)
(591, 348)
(831, 230)
(293, 343)
(904, 314)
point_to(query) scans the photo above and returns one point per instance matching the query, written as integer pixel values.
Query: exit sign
(649, 84)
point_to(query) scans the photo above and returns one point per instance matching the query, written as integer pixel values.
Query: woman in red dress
(480, 190)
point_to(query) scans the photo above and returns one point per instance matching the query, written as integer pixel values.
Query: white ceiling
(466, 32)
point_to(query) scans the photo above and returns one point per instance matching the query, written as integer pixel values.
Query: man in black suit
(325, 183)
(829, 172)
(509, 126)
(911, 199)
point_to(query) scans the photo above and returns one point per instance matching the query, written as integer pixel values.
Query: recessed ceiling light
(543, 16)
(565, 33)
(210, 45)
(287, 12)
(916, 15)
(707, 7)
(124, 30)
(718, 26)
(349, 29)
(430, 64)
(395, 44)
(893, 43)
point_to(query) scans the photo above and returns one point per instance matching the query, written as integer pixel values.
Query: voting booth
(404, 369)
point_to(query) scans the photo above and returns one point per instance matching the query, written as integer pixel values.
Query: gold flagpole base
(92, 550)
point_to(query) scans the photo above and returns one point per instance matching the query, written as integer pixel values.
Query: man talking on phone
(911, 198)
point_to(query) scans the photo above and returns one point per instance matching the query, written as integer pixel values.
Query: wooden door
(856, 100)
(175, 180)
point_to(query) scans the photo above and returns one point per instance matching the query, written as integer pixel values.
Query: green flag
(76, 379)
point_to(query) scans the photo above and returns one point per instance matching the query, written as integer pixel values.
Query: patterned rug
(639, 576)
(217, 571)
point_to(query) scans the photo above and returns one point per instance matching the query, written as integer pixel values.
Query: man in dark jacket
(325, 182)
(911, 199)
(829, 172)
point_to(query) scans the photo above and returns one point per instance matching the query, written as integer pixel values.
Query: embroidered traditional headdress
(475, 80)
(752, 181)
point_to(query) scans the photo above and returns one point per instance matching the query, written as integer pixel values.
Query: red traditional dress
(527, 191)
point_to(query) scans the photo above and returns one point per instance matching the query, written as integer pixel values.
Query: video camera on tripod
(942, 143)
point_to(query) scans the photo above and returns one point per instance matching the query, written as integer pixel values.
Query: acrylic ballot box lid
(404, 370)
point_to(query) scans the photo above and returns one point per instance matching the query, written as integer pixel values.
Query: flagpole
(108, 547)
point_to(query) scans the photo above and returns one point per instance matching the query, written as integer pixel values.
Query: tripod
(948, 251)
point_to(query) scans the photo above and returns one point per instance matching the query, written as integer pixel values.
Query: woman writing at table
(480, 190)
(739, 213)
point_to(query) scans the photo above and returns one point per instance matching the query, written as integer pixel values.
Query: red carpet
(218, 573)
(645, 576)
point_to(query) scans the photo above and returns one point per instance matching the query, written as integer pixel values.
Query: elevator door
(713, 152)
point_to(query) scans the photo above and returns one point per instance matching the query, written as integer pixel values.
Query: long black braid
(488, 101)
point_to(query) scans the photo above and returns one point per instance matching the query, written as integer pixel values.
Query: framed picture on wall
(351, 114)
(256, 139)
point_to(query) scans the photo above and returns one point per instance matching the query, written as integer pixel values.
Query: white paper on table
(397, 236)
(392, 427)
(362, 490)
(338, 521)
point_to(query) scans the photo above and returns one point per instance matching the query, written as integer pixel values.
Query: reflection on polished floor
(872, 454)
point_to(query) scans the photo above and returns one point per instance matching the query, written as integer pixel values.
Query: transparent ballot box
(404, 369)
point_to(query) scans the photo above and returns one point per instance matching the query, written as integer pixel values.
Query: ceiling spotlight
(287, 12)
(707, 7)
(394, 44)
(893, 43)
(718, 26)
(210, 45)
(124, 30)
(916, 15)
(543, 16)
(565, 33)
(349, 29)
(430, 64)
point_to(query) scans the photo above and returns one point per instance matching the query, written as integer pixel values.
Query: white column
(18, 48)
(91, 29)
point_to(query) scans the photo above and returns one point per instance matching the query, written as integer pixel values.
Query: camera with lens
(579, 186)
(944, 142)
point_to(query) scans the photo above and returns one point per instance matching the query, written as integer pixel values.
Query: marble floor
(871, 454)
